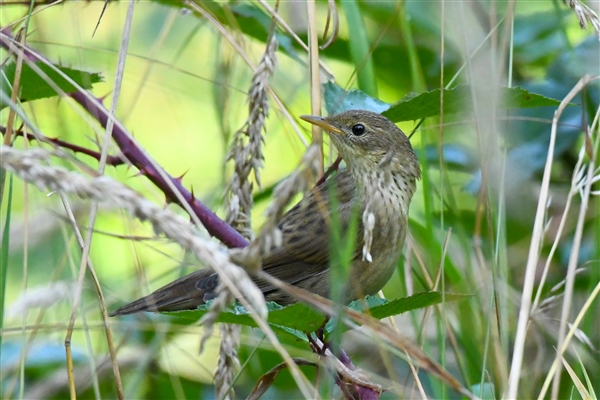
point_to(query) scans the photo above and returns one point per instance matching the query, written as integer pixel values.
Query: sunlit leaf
(338, 100)
(294, 319)
(34, 86)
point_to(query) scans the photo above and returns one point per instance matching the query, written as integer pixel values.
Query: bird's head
(368, 141)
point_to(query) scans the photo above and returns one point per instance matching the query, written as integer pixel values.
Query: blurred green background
(184, 95)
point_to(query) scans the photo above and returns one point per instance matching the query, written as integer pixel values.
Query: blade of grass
(4, 251)
(359, 47)
(578, 384)
(416, 72)
(574, 326)
(590, 387)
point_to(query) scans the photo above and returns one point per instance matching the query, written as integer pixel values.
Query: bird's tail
(186, 293)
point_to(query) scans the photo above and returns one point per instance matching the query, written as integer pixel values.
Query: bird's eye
(358, 129)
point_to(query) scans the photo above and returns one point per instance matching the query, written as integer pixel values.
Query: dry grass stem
(192, 5)
(31, 55)
(246, 149)
(333, 18)
(85, 262)
(27, 166)
(572, 331)
(373, 329)
(585, 15)
(576, 178)
(576, 246)
(287, 29)
(487, 165)
(247, 155)
(315, 78)
(534, 251)
(229, 362)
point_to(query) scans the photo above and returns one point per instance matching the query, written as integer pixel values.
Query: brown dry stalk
(373, 328)
(247, 155)
(246, 149)
(29, 166)
(534, 255)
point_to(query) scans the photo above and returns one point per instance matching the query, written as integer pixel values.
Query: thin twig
(110, 160)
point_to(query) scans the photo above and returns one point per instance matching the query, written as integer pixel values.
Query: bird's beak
(322, 123)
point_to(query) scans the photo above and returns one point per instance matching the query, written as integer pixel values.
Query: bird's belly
(371, 277)
(388, 241)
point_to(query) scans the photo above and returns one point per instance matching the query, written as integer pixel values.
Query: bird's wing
(303, 256)
(185, 293)
(305, 229)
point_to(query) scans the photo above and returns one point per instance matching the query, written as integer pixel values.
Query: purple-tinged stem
(333, 167)
(364, 393)
(213, 224)
(110, 160)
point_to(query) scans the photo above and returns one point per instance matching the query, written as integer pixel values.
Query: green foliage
(424, 105)
(337, 100)
(295, 319)
(5, 242)
(43, 81)
(382, 308)
(359, 47)
(471, 219)
(299, 319)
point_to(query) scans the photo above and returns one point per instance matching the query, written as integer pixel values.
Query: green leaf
(381, 308)
(296, 319)
(338, 100)
(419, 300)
(34, 86)
(417, 106)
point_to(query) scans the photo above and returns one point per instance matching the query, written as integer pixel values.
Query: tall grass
(503, 213)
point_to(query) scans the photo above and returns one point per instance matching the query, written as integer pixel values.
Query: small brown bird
(381, 175)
